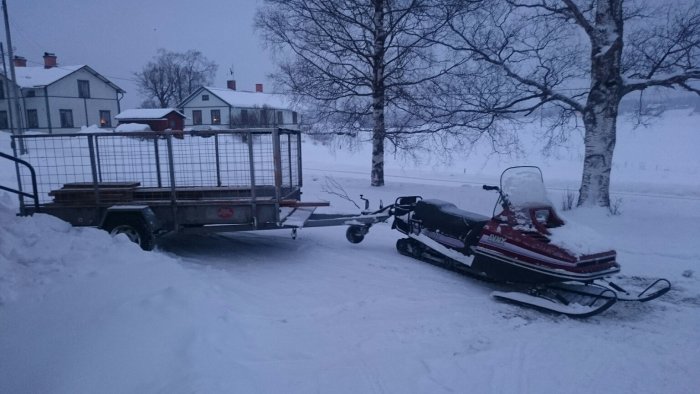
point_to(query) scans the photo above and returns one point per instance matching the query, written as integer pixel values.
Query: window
(205, 97)
(83, 88)
(244, 116)
(280, 118)
(66, 118)
(294, 117)
(4, 124)
(215, 116)
(32, 119)
(197, 117)
(105, 119)
(31, 93)
(2, 89)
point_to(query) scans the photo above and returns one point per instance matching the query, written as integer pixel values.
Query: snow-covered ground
(81, 312)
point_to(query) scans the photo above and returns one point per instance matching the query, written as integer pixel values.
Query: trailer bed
(222, 180)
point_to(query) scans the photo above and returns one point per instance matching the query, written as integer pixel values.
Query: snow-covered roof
(34, 77)
(243, 99)
(147, 113)
(31, 77)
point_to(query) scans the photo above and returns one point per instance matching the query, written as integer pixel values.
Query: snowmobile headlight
(542, 216)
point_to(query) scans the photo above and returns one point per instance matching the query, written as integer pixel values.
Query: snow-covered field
(81, 312)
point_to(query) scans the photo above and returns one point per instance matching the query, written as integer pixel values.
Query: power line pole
(5, 85)
(14, 103)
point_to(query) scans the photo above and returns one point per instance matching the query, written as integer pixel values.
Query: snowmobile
(515, 248)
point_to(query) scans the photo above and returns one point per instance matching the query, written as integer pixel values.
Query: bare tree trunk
(600, 112)
(600, 124)
(378, 131)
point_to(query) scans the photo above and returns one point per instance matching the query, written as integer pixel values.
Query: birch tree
(580, 58)
(357, 63)
(170, 77)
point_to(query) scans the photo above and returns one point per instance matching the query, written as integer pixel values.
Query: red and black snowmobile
(515, 247)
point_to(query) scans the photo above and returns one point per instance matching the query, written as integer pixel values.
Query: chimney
(49, 60)
(258, 87)
(231, 84)
(19, 61)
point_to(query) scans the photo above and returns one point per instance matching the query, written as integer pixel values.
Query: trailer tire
(355, 234)
(135, 228)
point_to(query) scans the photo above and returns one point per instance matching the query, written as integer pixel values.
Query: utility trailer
(148, 184)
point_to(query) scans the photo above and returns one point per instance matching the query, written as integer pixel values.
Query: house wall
(196, 103)
(63, 94)
(176, 120)
(263, 117)
(154, 124)
(5, 103)
(231, 116)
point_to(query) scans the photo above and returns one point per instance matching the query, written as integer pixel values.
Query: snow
(94, 129)
(205, 128)
(82, 312)
(579, 238)
(133, 127)
(29, 77)
(146, 113)
(237, 98)
(524, 187)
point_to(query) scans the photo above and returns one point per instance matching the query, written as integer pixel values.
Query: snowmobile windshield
(524, 187)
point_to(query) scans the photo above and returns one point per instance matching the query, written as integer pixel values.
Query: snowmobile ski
(602, 288)
(579, 306)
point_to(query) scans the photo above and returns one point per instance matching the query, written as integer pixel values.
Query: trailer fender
(138, 222)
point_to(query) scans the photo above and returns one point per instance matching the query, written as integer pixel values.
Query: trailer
(148, 184)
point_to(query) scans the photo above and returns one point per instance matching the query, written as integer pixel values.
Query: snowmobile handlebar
(502, 198)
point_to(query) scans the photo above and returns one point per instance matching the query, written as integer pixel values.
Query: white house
(56, 98)
(210, 106)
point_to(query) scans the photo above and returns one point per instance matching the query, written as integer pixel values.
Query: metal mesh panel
(263, 159)
(294, 159)
(194, 161)
(212, 159)
(57, 161)
(234, 159)
(289, 153)
(128, 159)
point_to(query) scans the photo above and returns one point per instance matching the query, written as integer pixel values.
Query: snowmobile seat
(445, 216)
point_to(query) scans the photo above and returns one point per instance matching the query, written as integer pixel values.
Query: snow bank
(132, 127)
(94, 129)
(97, 314)
(205, 128)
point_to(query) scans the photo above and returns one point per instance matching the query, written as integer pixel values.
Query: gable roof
(147, 113)
(35, 77)
(243, 99)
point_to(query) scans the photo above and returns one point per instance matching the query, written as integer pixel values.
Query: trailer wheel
(135, 229)
(355, 234)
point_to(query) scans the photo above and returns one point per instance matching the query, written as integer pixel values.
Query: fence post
(93, 168)
(277, 158)
(289, 160)
(157, 156)
(171, 168)
(253, 193)
(299, 175)
(218, 160)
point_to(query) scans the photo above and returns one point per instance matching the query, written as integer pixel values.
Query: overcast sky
(118, 37)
